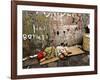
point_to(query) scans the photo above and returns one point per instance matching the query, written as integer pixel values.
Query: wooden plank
(74, 51)
(50, 60)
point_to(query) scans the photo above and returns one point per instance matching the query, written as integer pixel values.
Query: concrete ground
(78, 60)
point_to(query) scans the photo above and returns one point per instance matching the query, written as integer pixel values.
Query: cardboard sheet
(74, 51)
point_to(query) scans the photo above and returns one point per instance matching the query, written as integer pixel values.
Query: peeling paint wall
(67, 27)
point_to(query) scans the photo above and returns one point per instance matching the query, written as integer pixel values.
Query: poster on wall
(53, 39)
